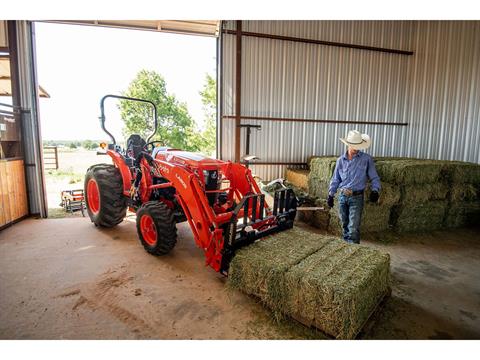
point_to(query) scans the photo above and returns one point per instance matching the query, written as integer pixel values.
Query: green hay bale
(422, 217)
(338, 287)
(462, 172)
(416, 194)
(390, 194)
(298, 178)
(464, 192)
(312, 277)
(460, 214)
(322, 168)
(318, 188)
(410, 172)
(258, 266)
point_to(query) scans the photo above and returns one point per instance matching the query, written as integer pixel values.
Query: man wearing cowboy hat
(352, 171)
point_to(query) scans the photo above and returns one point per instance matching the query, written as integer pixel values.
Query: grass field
(72, 167)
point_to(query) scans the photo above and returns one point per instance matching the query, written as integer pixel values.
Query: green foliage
(209, 101)
(176, 127)
(89, 144)
(175, 124)
(73, 145)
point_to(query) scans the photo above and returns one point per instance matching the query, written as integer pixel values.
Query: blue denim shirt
(352, 174)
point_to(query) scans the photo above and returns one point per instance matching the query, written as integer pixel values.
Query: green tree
(175, 124)
(89, 145)
(209, 101)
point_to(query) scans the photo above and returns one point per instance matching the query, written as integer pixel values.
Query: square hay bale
(338, 287)
(297, 177)
(390, 194)
(315, 278)
(462, 172)
(421, 217)
(464, 192)
(460, 214)
(318, 188)
(256, 268)
(322, 168)
(414, 194)
(410, 172)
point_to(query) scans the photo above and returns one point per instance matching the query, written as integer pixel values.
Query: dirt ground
(66, 279)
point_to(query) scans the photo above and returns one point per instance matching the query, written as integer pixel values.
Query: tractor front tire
(106, 204)
(156, 228)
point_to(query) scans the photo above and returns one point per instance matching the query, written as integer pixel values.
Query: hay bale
(464, 192)
(421, 217)
(255, 268)
(297, 177)
(415, 194)
(322, 168)
(410, 172)
(462, 172)
(316, 278)
(318, 188)
(390, 194)
(338, 287)
(460, 214)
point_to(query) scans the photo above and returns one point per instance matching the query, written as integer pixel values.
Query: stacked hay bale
(317, 279)
(321, 171)
(464, 194)
(423, 190)
(417, 195)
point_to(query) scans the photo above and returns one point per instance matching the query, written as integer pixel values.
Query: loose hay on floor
(316, 278)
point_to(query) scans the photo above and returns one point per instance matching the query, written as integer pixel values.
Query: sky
(78, 65)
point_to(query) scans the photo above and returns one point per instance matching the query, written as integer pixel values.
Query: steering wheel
(151, 145)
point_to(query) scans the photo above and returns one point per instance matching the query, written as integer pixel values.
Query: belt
(349, 192)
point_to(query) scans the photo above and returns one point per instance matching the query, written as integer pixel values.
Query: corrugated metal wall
(436, 90)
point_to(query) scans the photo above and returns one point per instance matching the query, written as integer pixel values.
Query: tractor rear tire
(106, 204)
(156, 228)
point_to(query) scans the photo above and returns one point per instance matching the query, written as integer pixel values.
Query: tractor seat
(135, 145)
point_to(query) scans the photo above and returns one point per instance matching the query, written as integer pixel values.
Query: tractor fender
(120, 164)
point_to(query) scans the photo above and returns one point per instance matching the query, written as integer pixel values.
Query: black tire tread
(164, 220)
(112, 201)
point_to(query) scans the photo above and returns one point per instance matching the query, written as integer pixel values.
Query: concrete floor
(66, 279)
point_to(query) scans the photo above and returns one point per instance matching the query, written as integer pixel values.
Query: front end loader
(220, 200)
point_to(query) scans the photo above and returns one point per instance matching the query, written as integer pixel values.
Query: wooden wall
(13, 192)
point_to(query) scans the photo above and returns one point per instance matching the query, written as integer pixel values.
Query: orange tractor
(220, 200)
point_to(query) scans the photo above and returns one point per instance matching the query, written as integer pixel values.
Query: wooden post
(56, 157)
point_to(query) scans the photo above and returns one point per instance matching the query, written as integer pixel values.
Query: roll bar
(102, 113)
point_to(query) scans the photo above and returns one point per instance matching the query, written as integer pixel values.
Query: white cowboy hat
(356, 140)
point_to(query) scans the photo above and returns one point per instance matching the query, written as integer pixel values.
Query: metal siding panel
(436, 90)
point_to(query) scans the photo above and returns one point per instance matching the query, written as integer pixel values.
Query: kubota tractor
(220, 200)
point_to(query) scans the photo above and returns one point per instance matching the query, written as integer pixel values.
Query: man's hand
(330, 201)
(374, 196)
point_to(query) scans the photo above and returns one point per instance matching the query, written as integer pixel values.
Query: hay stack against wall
(416, 195)
(315, 278)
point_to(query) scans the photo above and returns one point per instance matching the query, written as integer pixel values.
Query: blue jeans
(350, 211)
